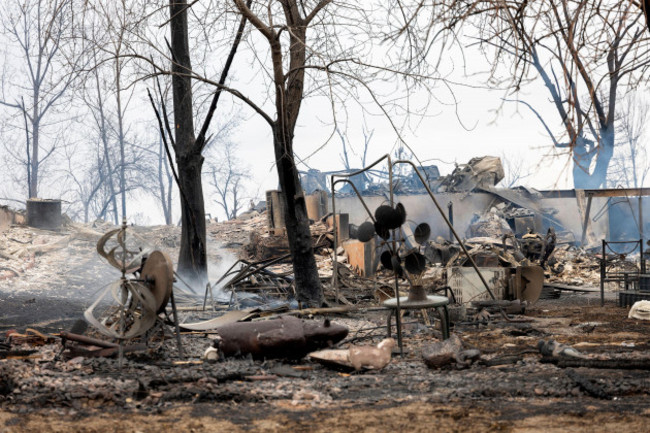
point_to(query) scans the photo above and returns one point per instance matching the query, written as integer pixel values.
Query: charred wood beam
(615, 364)
(587, 386)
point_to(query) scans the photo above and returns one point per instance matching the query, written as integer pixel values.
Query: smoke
(217, 269)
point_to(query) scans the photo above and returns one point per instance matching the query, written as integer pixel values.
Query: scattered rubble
(640, 310)
(357, 357)
(246, 342)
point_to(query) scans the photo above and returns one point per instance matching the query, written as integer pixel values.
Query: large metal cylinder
(44, 213)
(316, 205)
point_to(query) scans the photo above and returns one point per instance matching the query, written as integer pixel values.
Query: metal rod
(335, 267)
(451, 227)
(641, 217)
(86, 340)
(181, 354)
(603, 271)
(586, 220)
(398, 319)
(398, 311)
(450, 210)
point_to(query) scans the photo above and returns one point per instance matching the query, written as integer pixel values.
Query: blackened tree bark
(192, 260)
(289, 93)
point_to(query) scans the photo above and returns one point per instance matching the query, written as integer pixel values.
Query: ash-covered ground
(512, 387)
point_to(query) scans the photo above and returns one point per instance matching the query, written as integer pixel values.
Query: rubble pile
(254, 345)
(477, 173)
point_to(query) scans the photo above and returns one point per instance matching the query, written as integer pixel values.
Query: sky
(479, 123)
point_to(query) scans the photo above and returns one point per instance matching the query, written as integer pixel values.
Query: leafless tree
(631, 165)
(188, 146)
(109, 30)
(48, 58)
(586, 53)
(91, 190)
(514, 169)
(227, 177)
(94, 98)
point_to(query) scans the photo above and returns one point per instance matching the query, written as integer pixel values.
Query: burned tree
(187, 146)
(587, 54)
(288, 76)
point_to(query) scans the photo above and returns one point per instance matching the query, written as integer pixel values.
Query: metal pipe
(603, 272)
(450, 210)
(586, 220)
(86, 340)
(335, 268)
(398, 315)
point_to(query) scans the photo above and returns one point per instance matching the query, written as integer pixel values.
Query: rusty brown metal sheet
(158, 272)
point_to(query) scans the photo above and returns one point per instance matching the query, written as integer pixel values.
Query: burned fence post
(450, 210)
(585, 223)
(603, 271)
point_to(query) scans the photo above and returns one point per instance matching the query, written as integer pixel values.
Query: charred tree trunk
(192, 261)
(584, 153)
(289, 90)
(584, 177)
(308, 286)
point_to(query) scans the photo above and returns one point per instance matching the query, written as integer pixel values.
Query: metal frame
(617, 277)
(345, 178)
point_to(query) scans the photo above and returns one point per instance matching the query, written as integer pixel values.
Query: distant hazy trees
(227, 175)
(40, 67)
(630, 165)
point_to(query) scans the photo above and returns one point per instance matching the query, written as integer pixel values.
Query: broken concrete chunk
(372, 358)
(552, 348)
(640, 310)
(442, 353)
(357, 357)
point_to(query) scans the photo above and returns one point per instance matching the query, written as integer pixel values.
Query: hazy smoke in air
(216, 270)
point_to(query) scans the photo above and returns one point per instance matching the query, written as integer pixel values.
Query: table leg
(389, 324)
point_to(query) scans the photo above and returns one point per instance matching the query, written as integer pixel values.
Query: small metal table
(433, 301)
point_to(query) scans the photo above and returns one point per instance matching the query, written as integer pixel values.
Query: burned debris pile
(468, 304)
